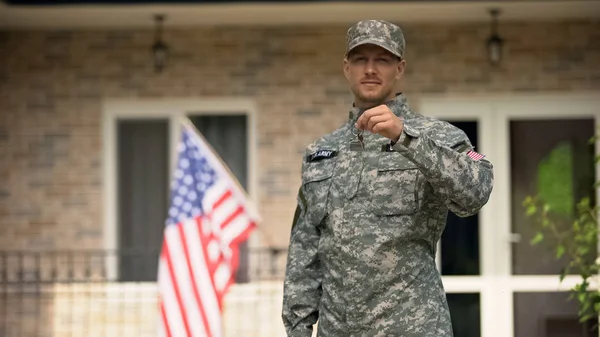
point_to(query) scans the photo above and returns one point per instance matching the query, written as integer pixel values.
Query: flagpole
(186, 122)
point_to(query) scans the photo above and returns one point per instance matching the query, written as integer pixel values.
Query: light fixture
(495, 42)
(160, 51)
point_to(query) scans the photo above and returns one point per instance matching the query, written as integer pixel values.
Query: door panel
(549, 315)
(460, 241)
(555, 160)
(143, 152)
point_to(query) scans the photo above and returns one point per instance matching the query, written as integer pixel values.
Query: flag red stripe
(193, 281)
(173, 277)
(244, 235)
(232, 216)
(204, 239)
(234, 247)
(222, 199)
(164, 319)
(212, 266)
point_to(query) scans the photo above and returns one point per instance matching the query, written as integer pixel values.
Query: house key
(357, 144)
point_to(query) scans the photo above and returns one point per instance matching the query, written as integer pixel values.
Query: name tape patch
(320, 155)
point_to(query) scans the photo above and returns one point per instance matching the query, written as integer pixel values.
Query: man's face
(372, 73)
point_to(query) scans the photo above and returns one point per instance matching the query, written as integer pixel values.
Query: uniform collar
(398, 105)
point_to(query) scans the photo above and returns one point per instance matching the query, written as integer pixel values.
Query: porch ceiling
(285, 13)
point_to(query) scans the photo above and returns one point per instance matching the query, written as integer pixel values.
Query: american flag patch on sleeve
(475, 155)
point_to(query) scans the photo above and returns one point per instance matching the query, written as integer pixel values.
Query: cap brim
(373, 42)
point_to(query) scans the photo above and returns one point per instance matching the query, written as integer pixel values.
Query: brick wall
(53, 83)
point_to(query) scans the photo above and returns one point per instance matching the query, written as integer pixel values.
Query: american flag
(209, 216)
(475, 155)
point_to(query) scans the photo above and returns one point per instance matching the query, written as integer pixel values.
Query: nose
(370, 67)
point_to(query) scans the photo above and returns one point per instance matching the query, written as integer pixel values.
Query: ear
(400, 69)
(346, 66)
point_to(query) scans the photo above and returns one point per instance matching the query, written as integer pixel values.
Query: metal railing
(113, 293)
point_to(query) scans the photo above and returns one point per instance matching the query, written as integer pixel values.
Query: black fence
(113, 293)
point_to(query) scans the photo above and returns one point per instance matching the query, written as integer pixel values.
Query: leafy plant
(577, 243)
(571, 230)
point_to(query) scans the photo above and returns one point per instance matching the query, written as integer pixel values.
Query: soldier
(373, 203)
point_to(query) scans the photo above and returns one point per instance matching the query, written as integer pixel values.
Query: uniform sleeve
(463, 182)
(302, 285)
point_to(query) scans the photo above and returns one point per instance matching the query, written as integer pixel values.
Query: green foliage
(576, 243)
(555, 183)
(571, 230)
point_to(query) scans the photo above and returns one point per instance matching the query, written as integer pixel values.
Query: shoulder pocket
(394, 188)
(318, 170)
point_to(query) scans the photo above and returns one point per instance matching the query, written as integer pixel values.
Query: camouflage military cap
(378, 32)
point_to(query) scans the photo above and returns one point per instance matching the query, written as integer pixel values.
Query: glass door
(464, 252)
(497, 282)
(459, 256)
(549, 155)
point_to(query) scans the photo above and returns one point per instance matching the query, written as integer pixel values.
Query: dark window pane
(143, 152)
(465, 312)
(227, 134)
(460, 240)
(549, 315)
(552, 158)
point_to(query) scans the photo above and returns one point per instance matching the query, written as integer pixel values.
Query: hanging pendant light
(495, 43)
(160, 51)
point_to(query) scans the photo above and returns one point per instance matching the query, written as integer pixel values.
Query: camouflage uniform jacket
(362, 248)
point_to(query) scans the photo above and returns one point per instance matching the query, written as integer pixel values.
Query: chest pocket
(394, 189)
(316, 182)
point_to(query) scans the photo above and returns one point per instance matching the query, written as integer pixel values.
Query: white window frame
(173, 110)
(493, 113)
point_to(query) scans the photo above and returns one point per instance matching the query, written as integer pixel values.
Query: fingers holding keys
(377, 123)
(381, 120)
(362, 122)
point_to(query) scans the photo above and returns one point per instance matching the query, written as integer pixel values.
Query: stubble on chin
(372, 100)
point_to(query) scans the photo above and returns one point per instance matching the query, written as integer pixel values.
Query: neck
(367, 105)
(396, 104)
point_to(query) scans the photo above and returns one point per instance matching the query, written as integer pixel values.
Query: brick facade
(53, 83)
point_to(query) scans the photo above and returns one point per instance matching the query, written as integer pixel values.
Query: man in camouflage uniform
(370, 211)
